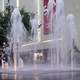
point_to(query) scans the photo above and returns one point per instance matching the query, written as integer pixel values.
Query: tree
(5, 24)
(26, 20)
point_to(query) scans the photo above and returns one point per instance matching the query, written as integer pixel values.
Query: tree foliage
(5, 23)
(26, 20)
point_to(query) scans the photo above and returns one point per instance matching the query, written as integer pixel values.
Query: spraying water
(18, 34)
(60, 33)
(34, 25)
(72, 36)
(54, 51)
(57, 24)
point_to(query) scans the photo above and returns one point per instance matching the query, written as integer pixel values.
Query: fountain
(34, 25)
(38, 58)
(17, 35)
(72, 38)
(54, 52)
(58, 33)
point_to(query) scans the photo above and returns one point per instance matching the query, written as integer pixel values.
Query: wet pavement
(55, 75)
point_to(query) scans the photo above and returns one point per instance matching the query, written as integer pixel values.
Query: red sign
(47, 27)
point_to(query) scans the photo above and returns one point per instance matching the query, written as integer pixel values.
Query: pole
(17, 3)
(2, 5)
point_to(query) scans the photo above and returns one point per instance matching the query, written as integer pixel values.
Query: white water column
(72, 36)
(17, 3)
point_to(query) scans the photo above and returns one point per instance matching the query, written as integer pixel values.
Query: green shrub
(5, 23)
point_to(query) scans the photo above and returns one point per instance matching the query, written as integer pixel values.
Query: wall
(29, 5)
